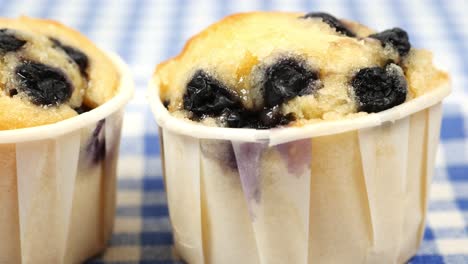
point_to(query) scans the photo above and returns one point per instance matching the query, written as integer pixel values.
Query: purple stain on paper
(297, 155)
(96, 147)
(248, 156)
(221, 151)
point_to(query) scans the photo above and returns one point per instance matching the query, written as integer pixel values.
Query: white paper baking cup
(57, 184)
(346, 191)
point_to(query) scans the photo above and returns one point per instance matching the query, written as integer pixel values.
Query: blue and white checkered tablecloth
(144, 32)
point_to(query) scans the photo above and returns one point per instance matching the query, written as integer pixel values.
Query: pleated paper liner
(347, 191)
(58, 184)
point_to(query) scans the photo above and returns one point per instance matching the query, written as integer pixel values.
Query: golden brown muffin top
(49, 72)
(267, 69)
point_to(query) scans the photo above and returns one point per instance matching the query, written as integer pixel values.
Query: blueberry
(261, 119)
(76, 55)
(8, 42)
(272, 117)
(233, 118)
(82, 109)
(377, 89)
(240, 118)
(287, 79)
(332, 21)
(13, 92)
(166, 103)
(46, 85)
(396, 37)
(286, 119)
(206, 96)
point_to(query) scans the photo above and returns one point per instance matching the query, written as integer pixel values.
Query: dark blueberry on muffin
(332, 21)
(166, 103)
(76, 55)
(233, 118)
(45, 85)
(82, 109)
(396, 38)
(272, 117)
(207, 96)
(9, 42)
(287, 79)
(377, 89)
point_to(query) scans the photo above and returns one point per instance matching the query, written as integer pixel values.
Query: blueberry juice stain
(96, 146)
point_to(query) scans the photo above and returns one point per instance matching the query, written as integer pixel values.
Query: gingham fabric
(144, 32)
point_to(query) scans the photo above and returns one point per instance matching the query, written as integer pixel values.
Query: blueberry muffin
(49, 73)
(345, 181)
(263, 70)
(57, 182)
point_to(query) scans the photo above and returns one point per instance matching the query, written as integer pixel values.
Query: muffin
(303, 69)
(49, 73)
(61, 101)
(298, 138)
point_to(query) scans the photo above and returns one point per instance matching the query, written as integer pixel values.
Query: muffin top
(49, 73)
(269, 69)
